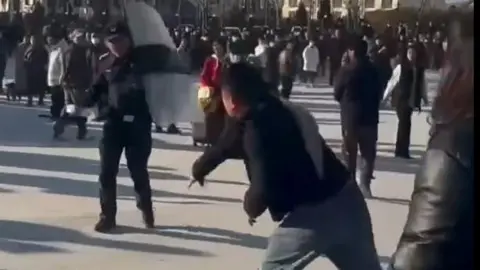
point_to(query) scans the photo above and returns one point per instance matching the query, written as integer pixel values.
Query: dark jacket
(126, 96)
(271, 72)
(438, 234)
(359, 91)
(229, 145)
(410, 88)
(78, 67)
(336, 49)
(287, 171)
(36, 61)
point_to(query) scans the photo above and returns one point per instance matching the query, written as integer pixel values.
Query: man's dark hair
(359, 47)
(245, 82)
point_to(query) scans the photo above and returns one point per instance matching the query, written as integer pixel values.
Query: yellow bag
(206, 100)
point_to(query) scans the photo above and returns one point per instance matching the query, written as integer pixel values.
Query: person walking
(358, 90)
(311, 61)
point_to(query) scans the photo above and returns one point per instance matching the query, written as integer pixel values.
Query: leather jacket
(439, 230)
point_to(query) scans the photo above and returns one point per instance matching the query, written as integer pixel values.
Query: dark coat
(229, 145)
(36, 60)
(410, 88)
(358, 90)
(438, 234)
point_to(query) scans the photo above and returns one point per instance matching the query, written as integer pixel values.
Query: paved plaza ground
(48, 199)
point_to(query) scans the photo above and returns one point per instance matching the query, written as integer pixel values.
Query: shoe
(404, 156)
(147, 216)
(105, 225)
(57, 130)
(159, 129)
(366, 191)
(172, 129)
(148, 219)
(82, 134)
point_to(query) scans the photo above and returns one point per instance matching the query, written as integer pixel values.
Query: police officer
(127, 127)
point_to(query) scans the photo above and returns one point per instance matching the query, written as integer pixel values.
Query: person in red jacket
(212, 68)
(211, 77)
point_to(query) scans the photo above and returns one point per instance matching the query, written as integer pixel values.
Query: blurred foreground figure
(439, 233)
(296, 176)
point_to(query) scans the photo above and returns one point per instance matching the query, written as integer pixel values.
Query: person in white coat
(55, 71)
(311, 59)
(261, 52)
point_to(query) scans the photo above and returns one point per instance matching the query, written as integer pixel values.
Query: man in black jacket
(127, 127)
(359, 91)
(296, 176)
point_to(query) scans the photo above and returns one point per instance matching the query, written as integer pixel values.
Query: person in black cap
(127, 127)
(358, 90)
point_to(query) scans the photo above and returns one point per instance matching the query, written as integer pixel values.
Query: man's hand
(201, 182)
(251, 221)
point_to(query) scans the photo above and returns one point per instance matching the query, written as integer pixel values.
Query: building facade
(14, 5)
(290, 6)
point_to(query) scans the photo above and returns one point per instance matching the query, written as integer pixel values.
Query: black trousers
(286, 86)
(402, 144)
(65, 120)
(58, 101)
(363, 138)
(136, 139)
(334, 67)
(310, 76)
(322, 66)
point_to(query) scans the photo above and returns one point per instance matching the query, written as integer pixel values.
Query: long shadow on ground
(20, 237)
(81, 188)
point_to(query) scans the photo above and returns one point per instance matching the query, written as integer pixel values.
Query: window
(387, 3)
(292, 3)
(336, 3)
(369, 3)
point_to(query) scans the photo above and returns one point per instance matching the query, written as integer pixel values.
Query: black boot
(147, 215)
(148, 219)
(173, 129)
(82, 134)
(82, 129)
(58, 129)
(364, 186)
(105, 224)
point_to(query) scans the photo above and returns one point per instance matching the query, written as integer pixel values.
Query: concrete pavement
(48, 199)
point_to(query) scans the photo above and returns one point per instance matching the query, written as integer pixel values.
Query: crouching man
(296, 176)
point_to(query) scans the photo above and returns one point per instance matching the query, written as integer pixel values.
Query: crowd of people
(312, 195)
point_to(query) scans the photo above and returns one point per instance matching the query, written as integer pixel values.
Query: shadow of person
(89, 189)
(17, 247)
(12, 232)
(214, 235)
(77, 165)
(392, 200)
(384, 163)
(4, 190)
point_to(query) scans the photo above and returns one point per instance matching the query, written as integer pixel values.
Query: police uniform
(127, 127)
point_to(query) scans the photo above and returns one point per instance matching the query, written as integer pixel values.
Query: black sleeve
(95, 92)
(340, 84)
(219, 152)
(442, 200)
(262, 168)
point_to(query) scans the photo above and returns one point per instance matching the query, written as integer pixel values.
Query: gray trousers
(339, 229)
